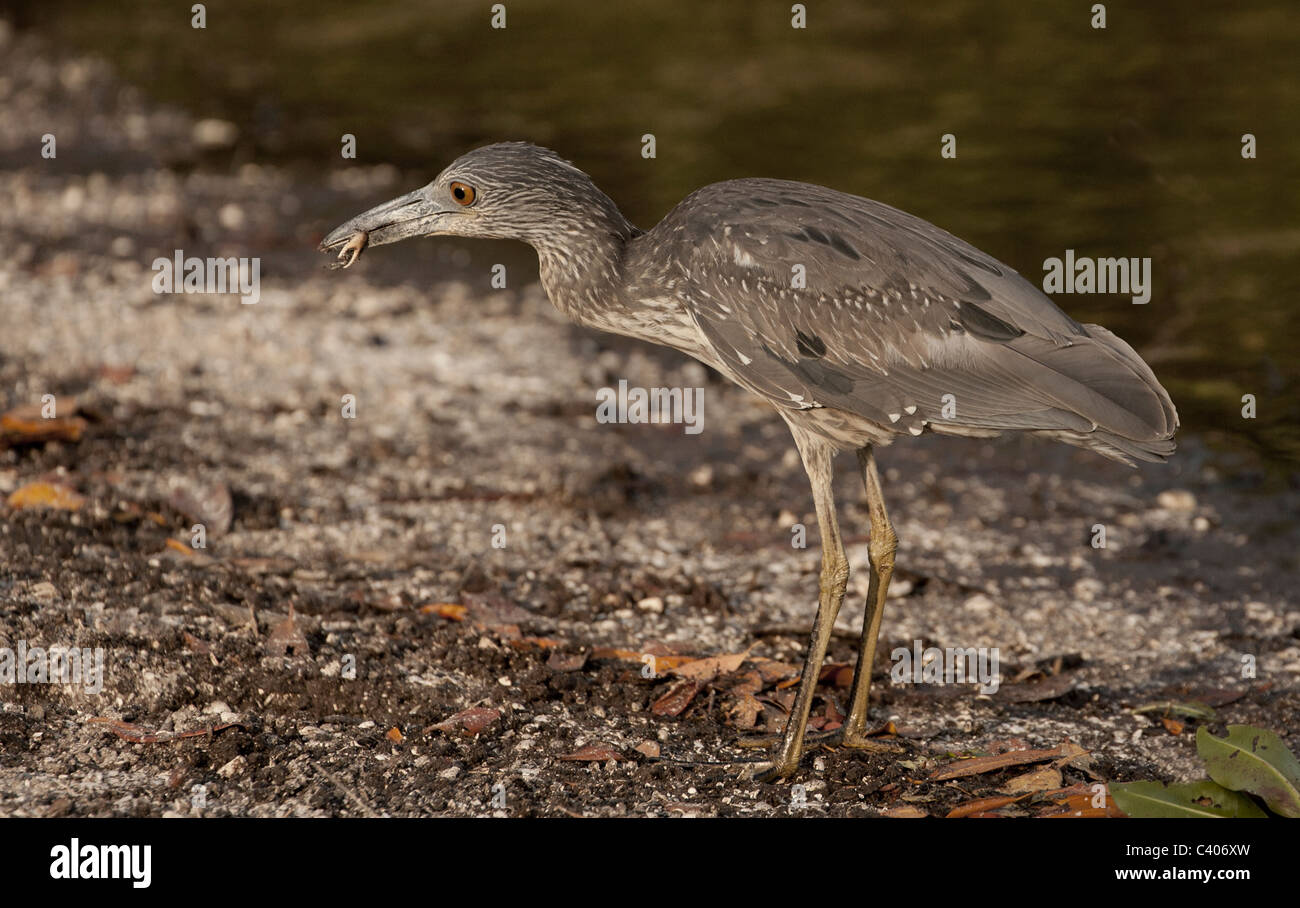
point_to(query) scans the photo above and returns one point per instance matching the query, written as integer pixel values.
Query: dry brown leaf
(536, 643)
(139, 734)
(676, 699)
(449, 610)
(566, 662)
(26, 426)
(992, 763)
(771, 670)
(662, 662)
(1074, 755)
(177, 545)
(395, 735)
(45, 495)
(287, 639)
(704, 670)
(836, 674)
(745, 711)
(750, 682)
(980, 806)
(905, 812)
(469, 722)
(1078, 801)
(207, 503)
(1046, 778)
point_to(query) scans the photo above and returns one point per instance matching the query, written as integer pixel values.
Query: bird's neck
(583, 272)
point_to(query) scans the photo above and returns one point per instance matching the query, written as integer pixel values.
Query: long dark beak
(401, 218)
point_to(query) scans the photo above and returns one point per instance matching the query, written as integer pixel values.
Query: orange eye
(462, 193)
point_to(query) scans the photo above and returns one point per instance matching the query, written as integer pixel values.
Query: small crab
(351, 251)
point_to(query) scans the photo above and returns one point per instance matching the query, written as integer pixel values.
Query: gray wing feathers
(896, 314)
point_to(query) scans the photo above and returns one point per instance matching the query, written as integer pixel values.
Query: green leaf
(1193, 709)
(1186, 799)
(1254, 760)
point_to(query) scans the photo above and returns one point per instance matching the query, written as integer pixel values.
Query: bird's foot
(837, 738)
(775, 770)
(859, 741)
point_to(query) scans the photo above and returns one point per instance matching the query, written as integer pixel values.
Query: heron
(858, 322)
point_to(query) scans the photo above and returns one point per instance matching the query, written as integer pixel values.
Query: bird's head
(512, 190)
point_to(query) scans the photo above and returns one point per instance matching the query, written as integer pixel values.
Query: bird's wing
(898, 321)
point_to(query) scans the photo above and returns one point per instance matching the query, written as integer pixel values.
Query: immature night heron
(857, 321)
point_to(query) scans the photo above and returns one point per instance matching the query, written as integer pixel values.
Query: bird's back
(848, 313)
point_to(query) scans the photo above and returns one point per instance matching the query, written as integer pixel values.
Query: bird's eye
(463, 193)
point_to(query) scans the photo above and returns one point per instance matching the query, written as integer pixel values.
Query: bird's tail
(1134, 416)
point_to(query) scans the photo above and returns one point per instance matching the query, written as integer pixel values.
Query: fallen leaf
(208, 503)
(494, 609)
(45, 495)
(676, 699)
(27, 426)
(707, 669)
(905, 812)
(745, 711)
(566, 662)
(992, 763)
(830, 720)
(661, 662)
(1188, 710)
(770, 670)
(1046, 778)
(536, 643)
(448, 610)
(139, 734)
(981, 806)
(1078, 801)
(286, 639)
(1189, 799)
(469, 722)
(836, 674)
(1254, 760)
(394, 734)
(177, 545)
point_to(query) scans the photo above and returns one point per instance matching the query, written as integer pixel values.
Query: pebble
(44, 591)
(231, 216)
(211, 135)
(1176, 500)
(979, 604)
(651, 604)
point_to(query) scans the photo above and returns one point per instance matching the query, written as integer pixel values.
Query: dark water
(1117, 142)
